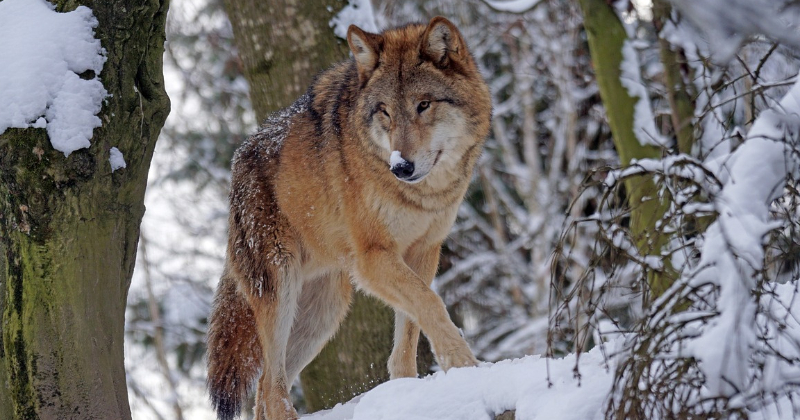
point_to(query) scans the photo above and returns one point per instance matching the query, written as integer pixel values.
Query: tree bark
(606, 37)
(679, 92)
(355, 360)
(283, 44)
(68, 234)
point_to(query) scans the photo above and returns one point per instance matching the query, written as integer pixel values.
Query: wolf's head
(422, 103)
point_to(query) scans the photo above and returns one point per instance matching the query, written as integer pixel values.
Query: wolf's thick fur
(315, 206)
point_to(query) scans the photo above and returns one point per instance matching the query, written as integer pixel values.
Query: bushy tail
(234, 354)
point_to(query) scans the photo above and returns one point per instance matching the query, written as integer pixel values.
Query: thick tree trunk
(283, 45)
(68, 234)
(606, 38)
(355, 360)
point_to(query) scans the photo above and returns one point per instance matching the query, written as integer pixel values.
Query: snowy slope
(536, 387)
(482, 392)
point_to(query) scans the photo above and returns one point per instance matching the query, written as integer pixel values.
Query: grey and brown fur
(315, 208)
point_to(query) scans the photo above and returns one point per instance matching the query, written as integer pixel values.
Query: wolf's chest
(408, 225)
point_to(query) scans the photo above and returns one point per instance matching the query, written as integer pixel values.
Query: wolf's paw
(457, 358)
(402, 369)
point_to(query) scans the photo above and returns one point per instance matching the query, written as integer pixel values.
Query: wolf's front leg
(384, 274)
(424, 260)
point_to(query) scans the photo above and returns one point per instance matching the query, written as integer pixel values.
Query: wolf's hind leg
(274, 318)
(323, 305)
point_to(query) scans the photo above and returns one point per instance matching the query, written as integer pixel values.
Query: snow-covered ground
(536, 387)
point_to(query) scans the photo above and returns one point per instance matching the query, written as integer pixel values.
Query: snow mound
(44, 52)
(482, 392)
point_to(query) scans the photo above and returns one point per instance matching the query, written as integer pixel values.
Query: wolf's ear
(366, 48)
(442, 44)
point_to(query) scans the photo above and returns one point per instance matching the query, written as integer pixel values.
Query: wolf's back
(234, 354)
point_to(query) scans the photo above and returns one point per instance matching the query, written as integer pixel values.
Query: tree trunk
(679, 93)
(283, 44)
(68, 234)
(606, 38)
(355, 360)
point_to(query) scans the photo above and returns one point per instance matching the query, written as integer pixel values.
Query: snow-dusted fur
(317, 202)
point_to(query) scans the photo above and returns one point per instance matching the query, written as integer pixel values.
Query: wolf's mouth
(414, 179)
(436, 160)
(417, 178)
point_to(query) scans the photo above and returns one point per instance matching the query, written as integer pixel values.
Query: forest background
(555, 251)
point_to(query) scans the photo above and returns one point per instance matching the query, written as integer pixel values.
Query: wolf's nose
(403, 170)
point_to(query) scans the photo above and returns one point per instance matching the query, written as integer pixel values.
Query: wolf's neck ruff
(359, 181)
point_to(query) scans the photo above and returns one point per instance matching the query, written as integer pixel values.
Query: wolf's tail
(234, 354)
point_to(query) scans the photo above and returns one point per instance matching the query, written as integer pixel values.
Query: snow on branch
(727, 23)
(644, 126)
(512, 6)
(359, 13)
(733, 251)
(724, 338)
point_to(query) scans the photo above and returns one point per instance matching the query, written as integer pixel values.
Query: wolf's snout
(403, 170)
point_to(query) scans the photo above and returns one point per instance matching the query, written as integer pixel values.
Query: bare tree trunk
(283, 44)
(679, 92)
(68, 234)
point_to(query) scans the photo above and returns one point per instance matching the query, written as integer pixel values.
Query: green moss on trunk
(606, 37)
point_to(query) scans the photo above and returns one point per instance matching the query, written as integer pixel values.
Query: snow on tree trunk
(68, 233)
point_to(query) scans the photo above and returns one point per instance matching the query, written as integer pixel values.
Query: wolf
(356, 184)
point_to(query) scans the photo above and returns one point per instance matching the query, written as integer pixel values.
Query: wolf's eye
(423, 106)
(382, 108)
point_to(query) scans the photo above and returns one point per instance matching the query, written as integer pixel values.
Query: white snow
(357, 12)
(513, 6)
(725, 24)
(43, 52)
(733, 252)
(395, 159)
(644, 126)
(537, 388)
(116, 159)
